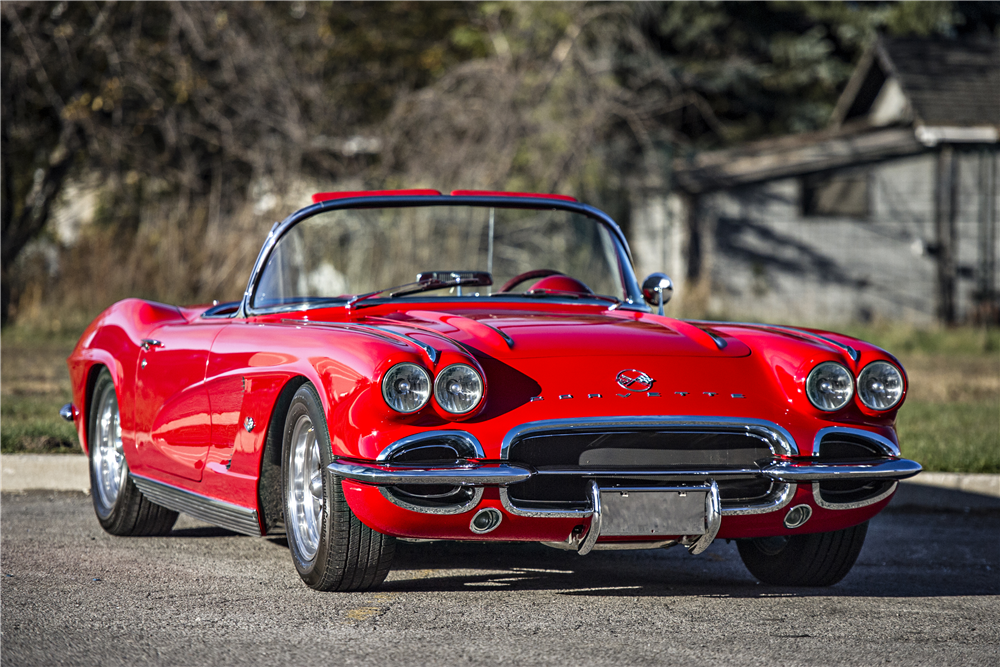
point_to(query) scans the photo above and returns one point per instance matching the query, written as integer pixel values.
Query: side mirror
(657, 290)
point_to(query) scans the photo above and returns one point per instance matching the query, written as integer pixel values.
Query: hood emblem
(634, 380)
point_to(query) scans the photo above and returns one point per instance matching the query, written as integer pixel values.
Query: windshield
(442, 251)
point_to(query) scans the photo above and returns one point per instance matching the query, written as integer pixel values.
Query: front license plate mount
(654, 511)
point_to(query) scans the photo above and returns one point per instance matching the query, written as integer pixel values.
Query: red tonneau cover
(327, 196)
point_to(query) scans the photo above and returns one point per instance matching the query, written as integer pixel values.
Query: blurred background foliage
(146, 146)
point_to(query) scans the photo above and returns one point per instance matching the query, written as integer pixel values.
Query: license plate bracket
(645, 511)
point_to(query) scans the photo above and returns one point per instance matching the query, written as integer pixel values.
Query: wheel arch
(269, 500)
(93, 373)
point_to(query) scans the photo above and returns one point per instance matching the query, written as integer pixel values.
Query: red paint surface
(328, 196)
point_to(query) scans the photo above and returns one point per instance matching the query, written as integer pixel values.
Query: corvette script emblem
(634, 380)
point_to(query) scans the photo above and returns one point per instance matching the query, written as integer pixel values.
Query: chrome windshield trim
(404, 443)
(471, 474)
(818, 497)
(887, 445)
(781, 441)
(630, 284)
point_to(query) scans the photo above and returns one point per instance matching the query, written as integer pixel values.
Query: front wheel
(120, 507)
(331, 548)
(817, 559)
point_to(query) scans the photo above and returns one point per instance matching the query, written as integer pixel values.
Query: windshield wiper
(431, 280)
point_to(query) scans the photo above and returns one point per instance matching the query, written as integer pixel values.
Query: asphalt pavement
(924, 591)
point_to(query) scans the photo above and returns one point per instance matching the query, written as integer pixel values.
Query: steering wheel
(528, 275)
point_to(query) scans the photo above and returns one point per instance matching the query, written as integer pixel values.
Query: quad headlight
(458, 389)
(406, 387)
(880, 385)
(829, 386)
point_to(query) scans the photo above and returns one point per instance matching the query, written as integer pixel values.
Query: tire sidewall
(306, 402)
(109, 518)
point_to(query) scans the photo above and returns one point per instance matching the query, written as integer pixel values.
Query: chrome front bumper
(470, 473)
(503, 474)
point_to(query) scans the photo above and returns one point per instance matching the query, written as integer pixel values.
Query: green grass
(938, 341)
(951, 437)
(31, 424)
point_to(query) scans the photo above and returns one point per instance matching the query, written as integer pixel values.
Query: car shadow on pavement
(908, 553)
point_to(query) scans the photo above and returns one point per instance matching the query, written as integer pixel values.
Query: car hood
(526, 334)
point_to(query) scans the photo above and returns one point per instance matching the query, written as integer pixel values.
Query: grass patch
(937, 341)
(35, 384)
(951, 437)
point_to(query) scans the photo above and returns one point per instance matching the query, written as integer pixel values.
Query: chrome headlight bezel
(819, 397)
(895, 377)
(412, 374)
(470, 389)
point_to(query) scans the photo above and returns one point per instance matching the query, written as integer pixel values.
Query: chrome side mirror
(657, 290)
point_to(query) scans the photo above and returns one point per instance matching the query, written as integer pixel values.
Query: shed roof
(946, 82)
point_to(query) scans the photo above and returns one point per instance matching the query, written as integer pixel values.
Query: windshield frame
(633, 300)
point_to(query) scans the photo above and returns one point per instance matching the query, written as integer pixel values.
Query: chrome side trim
(890, 448)
(477, 495)
(595, 520)
(781, 441)
(713, 520)
(471, 474)
(216, 512)
(402, 444)
(817, 496)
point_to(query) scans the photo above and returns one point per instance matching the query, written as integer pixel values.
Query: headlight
(880, 385)
(406, 387)
(458, 388)
(829, 386)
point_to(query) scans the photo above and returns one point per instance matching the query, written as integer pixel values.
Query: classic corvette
(481, 366)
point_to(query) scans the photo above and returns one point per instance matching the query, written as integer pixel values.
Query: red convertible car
(481, 366)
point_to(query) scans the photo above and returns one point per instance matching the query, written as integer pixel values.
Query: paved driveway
(924, 591)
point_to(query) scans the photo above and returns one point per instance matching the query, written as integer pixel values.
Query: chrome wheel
(304, 511)
(107, 456)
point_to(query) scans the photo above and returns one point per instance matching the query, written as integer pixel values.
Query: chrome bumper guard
(469, 473)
